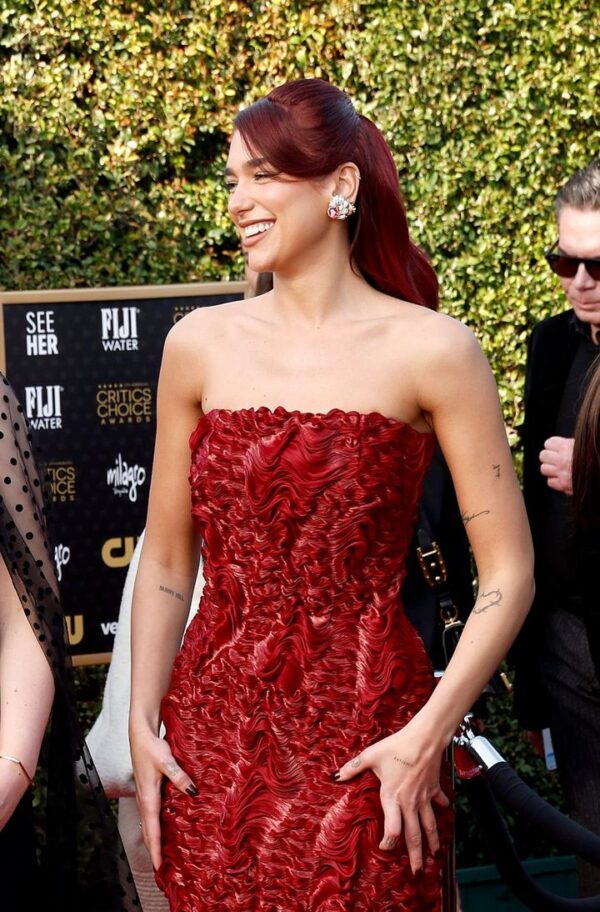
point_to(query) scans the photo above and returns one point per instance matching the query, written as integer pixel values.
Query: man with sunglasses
(556, 682)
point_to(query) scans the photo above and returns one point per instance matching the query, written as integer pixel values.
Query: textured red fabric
(300, 655)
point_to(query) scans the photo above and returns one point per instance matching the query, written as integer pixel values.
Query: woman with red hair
(302, 766)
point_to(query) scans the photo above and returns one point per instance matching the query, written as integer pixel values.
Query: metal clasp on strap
(432, 565)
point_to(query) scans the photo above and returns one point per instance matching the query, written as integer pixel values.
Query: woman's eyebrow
(251, 163)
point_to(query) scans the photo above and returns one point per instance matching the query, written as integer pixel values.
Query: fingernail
(335, 775)
(418, 873)
(192, 790)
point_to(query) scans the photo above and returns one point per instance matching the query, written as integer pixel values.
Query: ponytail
(381, 246)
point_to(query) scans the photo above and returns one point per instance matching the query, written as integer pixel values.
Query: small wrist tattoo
(496, 469)
(403, 761)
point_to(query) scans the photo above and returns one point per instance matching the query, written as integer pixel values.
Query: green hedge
(114, 119)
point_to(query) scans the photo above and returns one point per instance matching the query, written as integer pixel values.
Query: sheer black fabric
(83, 862)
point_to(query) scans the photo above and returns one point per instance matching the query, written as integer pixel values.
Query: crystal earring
(340, 208)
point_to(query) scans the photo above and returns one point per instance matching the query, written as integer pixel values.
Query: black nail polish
(192, 790)
(335, 775)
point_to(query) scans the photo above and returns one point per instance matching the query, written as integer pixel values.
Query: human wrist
(143, 723)
(18, 766)
(429, 735)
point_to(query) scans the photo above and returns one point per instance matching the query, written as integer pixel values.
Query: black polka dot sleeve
(84, 864)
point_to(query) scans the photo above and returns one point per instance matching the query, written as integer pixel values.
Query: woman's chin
(261, 263)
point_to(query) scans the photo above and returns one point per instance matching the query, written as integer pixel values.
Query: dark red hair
(306, 129)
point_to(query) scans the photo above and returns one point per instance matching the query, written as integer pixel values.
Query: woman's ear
(347, 181)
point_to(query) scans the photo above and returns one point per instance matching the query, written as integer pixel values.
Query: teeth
(258, 228)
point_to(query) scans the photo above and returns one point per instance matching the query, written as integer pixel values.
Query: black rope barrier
(511, 869)
(498, 779)
(565, 833)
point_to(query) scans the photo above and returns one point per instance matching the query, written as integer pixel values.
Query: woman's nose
(238, 201)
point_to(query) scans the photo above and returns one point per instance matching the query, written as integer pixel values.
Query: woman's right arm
(165, 579)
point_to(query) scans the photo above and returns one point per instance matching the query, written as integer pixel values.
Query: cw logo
(117, 552)
(74, 624)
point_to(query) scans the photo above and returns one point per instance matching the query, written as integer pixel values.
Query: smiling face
(282, 221)
(579, 236)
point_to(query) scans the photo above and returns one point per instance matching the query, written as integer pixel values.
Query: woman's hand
(408, 768)
(13, 785)
(152, 762)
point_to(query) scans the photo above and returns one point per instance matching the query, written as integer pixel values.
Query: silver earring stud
(340, 208)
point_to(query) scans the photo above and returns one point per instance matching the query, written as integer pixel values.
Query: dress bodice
(320, 499)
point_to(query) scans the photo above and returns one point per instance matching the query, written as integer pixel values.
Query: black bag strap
(433, 568)
(435, 572)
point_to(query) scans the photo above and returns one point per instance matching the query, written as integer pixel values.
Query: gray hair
(582, 190)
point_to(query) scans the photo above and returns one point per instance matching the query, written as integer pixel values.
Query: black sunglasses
(566, 266)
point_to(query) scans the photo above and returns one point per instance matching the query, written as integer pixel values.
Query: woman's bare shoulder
(430, 333)
(205, 324)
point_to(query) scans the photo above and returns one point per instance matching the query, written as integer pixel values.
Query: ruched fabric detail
(300, 656)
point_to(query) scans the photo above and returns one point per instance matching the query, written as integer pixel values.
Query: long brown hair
(586, 457)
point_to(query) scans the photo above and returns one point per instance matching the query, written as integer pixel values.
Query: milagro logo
(40, 335)
(62, 556)
(43, 407)
(125, 479)
(119, 328)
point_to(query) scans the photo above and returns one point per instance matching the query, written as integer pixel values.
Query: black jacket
(551, 351)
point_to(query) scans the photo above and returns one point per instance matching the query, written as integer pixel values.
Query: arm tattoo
(467, 517)
(172, 592)
(492, 598)
(496, 469)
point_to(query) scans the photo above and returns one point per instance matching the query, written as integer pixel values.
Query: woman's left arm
(457, 393)
(467, 419)
(26, 694)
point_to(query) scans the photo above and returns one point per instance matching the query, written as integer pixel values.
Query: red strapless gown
(299, 656)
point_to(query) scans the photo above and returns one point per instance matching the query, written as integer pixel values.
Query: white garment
(108, 741)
